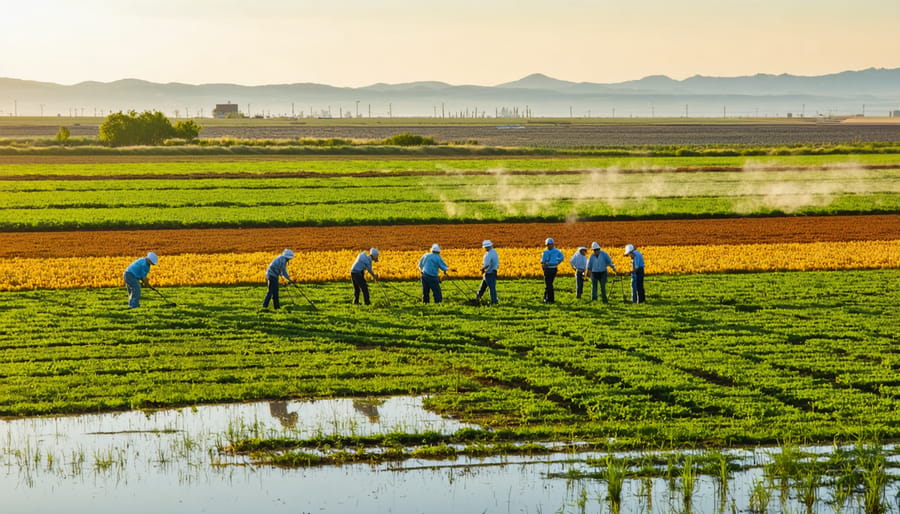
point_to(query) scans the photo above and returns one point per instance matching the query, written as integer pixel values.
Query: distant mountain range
(873, 92)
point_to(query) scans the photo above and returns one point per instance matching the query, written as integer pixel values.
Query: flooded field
(172, 461)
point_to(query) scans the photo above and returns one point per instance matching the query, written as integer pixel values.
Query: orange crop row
(321, 266)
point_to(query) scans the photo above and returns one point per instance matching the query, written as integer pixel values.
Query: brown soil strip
(367, 174)
(411, 237)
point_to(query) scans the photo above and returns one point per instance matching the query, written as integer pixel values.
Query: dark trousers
(488, 282)
(272, 294)
(359, 285)
(431, 284)
(601, 277)
(579, 283)
(549, 277)
(637, 285)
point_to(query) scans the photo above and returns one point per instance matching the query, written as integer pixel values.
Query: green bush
(408, 139)
(150, 128)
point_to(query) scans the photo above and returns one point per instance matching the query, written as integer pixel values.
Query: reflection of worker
(431, 265)
(368, 409)
(597, 265)
(135, 275)
(490, 263)
(277, 269)
(358, 274)
(279, 411)
(550, 259)
(637, 274)
(579, 264)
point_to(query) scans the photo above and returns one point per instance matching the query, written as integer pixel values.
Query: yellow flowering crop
(321, 266)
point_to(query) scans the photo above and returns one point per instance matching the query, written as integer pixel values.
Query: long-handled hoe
(383, 292)
(169, 303)
(468, 296)
(622, 287)
(395, 288)
(304, 295)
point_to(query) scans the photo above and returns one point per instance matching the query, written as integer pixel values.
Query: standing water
(169, 461)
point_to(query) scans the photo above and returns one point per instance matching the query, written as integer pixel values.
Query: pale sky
(482, 42)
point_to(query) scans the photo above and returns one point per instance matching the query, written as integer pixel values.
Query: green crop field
(174, 195)
(711, 359)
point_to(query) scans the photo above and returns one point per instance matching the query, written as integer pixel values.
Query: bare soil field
(545, 134)
(411, 237)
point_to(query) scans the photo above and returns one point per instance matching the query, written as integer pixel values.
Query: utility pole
(42, 110)
(357, 108)
(390, 110)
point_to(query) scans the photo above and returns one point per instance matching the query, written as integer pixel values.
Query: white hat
(549, 241)
(435, 248)
(152, 257)
(288, 253)
(580, 248)
(487, 243)
(629, 249)
(595, 245)
(374, 252)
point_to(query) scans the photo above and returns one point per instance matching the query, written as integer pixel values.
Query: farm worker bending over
(357, 274)
(596, 267)
(579, 264)
(431, 265)
(489, 266)
(637, 274)
(135, 275)
(277, 268)
(550, 259)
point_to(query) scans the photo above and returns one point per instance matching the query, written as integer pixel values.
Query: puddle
(168, 461)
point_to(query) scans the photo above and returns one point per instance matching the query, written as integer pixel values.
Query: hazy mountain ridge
(876, 90)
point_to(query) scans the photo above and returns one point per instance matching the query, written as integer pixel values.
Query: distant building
(895, 114)
(223, 110)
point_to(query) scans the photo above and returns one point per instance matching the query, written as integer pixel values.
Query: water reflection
(368, 407)
(279, 411)
(168, 461)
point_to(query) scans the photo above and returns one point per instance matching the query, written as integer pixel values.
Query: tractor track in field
(748, 230)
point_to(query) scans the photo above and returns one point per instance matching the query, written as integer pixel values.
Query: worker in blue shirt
(578, 262)
(637, 274)
(135, 275)
(596, 268)
(490, 263)
(431, 264)
(277, 269)
(358, 274)
(550, 259)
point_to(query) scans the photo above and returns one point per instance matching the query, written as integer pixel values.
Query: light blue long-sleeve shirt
(552, 257)
(139, 268)
(278, 268)
(362, 264)
(578, 261)
(599, 261)
(431, 264)
(638, 260)
(490, 263)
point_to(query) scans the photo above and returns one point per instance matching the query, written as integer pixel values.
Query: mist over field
(751, 190)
